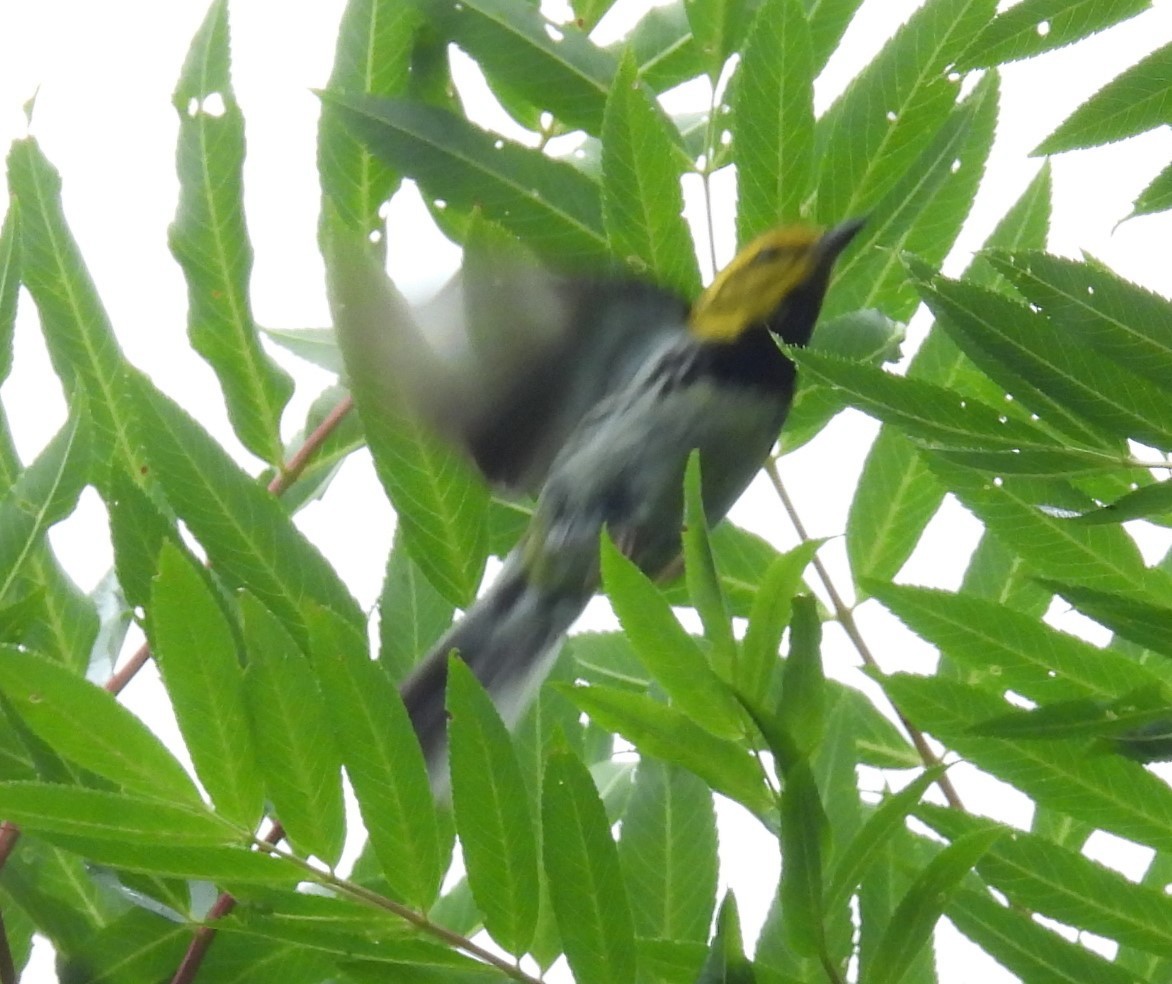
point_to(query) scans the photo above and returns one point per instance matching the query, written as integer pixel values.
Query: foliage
(1040, 399)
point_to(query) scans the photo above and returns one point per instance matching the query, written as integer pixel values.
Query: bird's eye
(769, 255)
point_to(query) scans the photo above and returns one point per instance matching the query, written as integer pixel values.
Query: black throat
(753, 360)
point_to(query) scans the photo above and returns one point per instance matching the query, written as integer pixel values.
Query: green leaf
(62, 622)
(668, 853)
(642, 203)
(9, 285)
(412, 613)
(1102, 557)
(551, 206)
(667, 734)
(742, 560)
(700, 571)
(922, 212)
(1063, 884)
(860, 336)
(916, 916)
(585, 880)
(196, 648)
(995, 572)
(492, 813)
(440, 500)
(1034, 26)
(718, 28)
(1024, 947)
(1156, 197)
(336, 434)
(216, 864)
(896, 495)
(16, 761)
(828, 22)
(250, 540)
(773, 123)
(1143, 622)
(893, 502)
(1081, 718)
(1137, 100)
(893, 108)
(210, 241)
(19, 929)
(931, 413)
(1149, 501)
(775, 961)
(554, 67)
(238, 959)
(139, 945)
(866, 847)
(1111, 793)
(802, 709)
(726, 962)
(452, 969)
(373, 55)
(441, 504)
(77, 330)
(317, 346)
(768, 618)
(590, 12)
(138, 530)
(671, 656)
(1001, 649)
(1033, 462)
(1059, 378)
(382, 758)
(664, 49)
(607, 658)
(1119, 319)
(43, 494)
(57, 891)
(294, 736)
(877, 742)
(86, 725)
(322, 924)
(804, 832)
(55, 809)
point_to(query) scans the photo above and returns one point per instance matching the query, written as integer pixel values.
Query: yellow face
(754, 284)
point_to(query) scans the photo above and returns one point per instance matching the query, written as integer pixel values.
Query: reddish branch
(189, 965)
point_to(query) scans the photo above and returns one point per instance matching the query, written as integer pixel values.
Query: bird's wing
(505, 360)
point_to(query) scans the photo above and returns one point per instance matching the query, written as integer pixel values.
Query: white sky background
(105, 73)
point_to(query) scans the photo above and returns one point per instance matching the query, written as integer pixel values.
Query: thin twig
(9, 834)
(846, 619)
(298, 463)
(706, 174)
(122, 676)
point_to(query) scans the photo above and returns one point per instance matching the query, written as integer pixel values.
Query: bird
(507, 357)
(711, 378)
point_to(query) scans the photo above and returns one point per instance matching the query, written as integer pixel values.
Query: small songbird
(613, 451)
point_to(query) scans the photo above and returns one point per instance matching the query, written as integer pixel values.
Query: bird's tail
(509, 639)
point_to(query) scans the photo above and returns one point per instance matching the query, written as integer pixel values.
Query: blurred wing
(506, 359)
